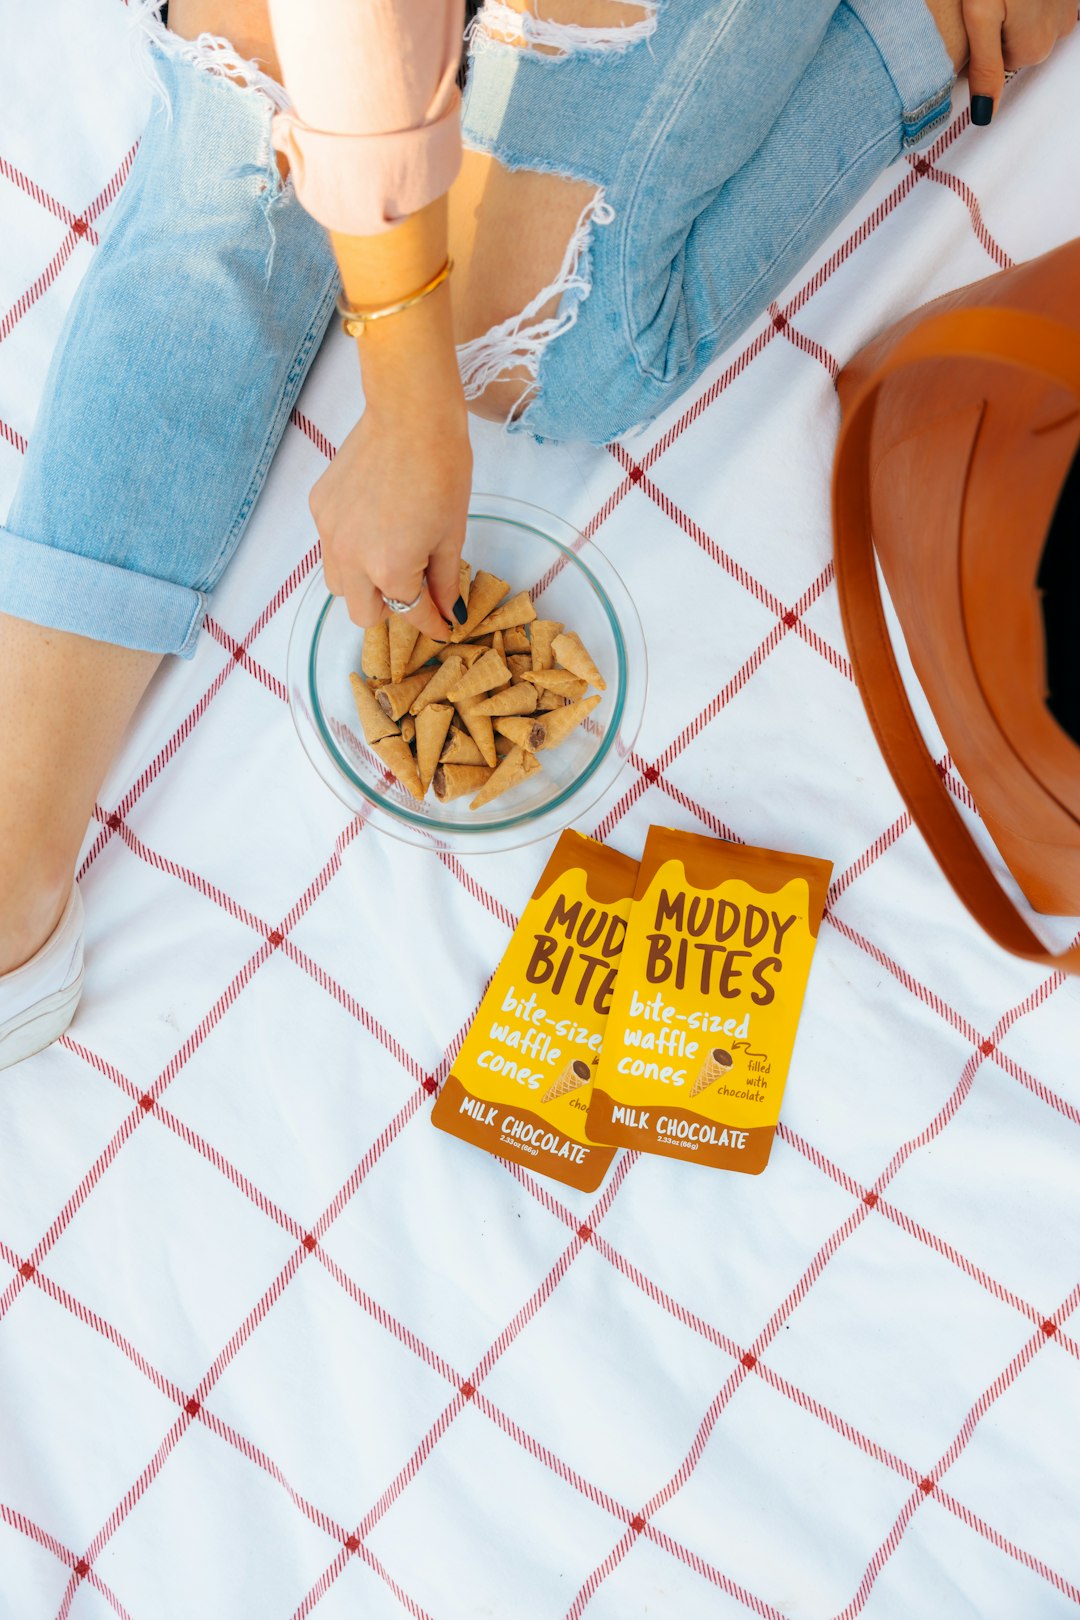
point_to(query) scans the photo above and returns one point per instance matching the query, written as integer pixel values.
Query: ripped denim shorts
(191, 333)
(726, 139)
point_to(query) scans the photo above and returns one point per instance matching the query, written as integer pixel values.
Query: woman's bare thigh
(244, 23)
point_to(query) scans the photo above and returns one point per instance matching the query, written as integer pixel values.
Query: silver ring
(404, 607)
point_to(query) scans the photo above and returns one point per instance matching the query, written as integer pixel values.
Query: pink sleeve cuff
(360, 185)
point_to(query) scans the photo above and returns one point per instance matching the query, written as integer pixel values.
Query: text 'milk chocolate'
(707, 1000)
(520, 1086)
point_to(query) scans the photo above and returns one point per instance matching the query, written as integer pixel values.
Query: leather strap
(1014, 338)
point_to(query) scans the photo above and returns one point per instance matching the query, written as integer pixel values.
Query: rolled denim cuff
(916, 59)
(66, 591)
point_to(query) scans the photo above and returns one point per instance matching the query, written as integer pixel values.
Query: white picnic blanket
(272, 1346)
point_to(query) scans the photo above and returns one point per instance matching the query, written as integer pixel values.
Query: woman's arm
(373, 144)
(373, 134)
(392, 504)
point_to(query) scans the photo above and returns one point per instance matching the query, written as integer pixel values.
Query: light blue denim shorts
(180, 359)
(725, 140)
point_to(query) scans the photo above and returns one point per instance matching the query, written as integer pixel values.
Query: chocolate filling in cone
(715, 1066)
(573, 1077)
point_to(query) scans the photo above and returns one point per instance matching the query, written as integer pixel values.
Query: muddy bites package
(520, 1085)
(707, 1001)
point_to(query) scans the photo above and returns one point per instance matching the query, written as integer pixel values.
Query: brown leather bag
(961, 423)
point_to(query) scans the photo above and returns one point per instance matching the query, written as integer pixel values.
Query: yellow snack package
(519, 1087)
(707, 1001)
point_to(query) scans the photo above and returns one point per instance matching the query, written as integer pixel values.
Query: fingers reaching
(427, 618)
(390, 510)
(443, 575)
(984, 20)
(402, 587)
(365, 603)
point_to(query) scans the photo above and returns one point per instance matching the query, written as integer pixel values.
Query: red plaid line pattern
(30, 1267)
(80, 229)
(749, 1360)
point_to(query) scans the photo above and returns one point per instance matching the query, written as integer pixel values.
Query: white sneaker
(38, 999)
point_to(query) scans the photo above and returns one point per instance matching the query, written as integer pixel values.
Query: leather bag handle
(1015, 338)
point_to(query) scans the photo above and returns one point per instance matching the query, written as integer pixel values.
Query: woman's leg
(727, 142)
(180, 359)
(244, 23)
(67, 703)
(509, 229)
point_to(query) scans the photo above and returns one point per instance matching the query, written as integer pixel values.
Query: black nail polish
(461, 612)
(982, 109)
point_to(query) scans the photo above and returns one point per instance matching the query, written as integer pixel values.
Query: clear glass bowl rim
(527, 825)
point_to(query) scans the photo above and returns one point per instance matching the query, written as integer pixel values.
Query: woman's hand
(1004, 35)
(391, 507)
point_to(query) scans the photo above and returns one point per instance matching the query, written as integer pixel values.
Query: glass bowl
(569, 579)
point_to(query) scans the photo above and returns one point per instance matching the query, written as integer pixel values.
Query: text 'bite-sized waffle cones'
(519, 1086)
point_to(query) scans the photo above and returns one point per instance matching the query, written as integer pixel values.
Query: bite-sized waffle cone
(485, 595)
(487, 673)
(510, 771)
(557, 680)
(431, 724)
(464, 579)
(517, 664)
(559, 723)
(375, 653)
(717, 1063)
(376, 723)
(541, 634)
(550, 700)
(573, 1077)
(498, 644)
(524, 730)
(438, 687)
(399, 696)
(426, 647)
(467, 651)
(408, 728)
(519, 610)
(571, 652)
(397, 756)
(454, 781)
(461, 750)
(516, 640)
(480, 730)
(403, 638)
(520, 699)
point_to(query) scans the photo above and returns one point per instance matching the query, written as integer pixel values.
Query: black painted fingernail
(461, 612)
(982, 109)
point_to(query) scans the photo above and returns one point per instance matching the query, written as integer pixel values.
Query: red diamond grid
(584, 1223)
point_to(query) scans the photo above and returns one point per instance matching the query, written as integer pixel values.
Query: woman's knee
(521, 243)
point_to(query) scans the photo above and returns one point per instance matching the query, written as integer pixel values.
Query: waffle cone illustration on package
(520, 1086)
(707, 1001)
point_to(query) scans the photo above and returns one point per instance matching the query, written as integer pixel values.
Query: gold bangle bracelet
(354, 321)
